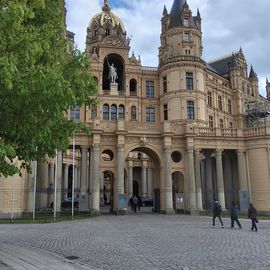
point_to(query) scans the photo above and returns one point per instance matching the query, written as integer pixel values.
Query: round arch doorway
(178, 192)
(144, 175)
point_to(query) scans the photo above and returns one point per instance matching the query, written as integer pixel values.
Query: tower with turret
(181, 69)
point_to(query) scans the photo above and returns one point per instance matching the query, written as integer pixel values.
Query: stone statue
(112, 72)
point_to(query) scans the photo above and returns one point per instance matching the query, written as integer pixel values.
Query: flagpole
(55, 186)
(35, 187)
(73, 175)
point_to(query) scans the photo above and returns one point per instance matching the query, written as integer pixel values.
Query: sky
(227, 25)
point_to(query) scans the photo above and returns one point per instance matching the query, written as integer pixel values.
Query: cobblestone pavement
(148, 242)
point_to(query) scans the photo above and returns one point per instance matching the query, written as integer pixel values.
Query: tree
(39, 82)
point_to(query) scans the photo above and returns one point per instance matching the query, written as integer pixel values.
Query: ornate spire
(165, 12)
(252, 74)
(106, 6)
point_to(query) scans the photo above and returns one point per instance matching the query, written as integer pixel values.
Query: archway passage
(118, 62)
(106, 192)
(178, 192)
(144, 177)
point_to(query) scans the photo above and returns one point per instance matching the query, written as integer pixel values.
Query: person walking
(131, 203)
(252, 214)
(135, 203)
(234, 215)
(139, 202)
(217, 212)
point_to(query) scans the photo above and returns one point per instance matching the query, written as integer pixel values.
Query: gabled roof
(222, 66)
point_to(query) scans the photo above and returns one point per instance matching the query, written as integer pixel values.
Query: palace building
(182, 133)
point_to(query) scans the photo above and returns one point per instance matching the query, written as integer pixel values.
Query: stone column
(220, 180)
(229, 193)
(198, 180)
(84, 152)
(209, 181)
(119, 183)
(51, 184)
(44, 184)
(95, 180)
(191, 180)
(130, 180)
(76, 179)
(244, 196)
(30, 188)
(65, 181)
(150, 182)
(59, 181)
(168, 209)
(143, 179)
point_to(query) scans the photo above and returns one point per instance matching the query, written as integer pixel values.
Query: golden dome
(106, 16)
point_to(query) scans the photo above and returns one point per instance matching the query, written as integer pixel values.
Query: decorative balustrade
(253, 132)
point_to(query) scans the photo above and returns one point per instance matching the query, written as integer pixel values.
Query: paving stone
(147, 241)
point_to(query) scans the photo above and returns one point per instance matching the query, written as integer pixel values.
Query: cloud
(226, 26)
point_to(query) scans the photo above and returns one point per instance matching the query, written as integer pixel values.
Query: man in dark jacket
(234, 215)
(252, 214)
(217, 212)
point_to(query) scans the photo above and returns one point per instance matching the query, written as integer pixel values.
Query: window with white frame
(150, 115)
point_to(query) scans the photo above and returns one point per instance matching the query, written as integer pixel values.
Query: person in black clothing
(217, 212)
(234, 215)
(252, 214)
(131, 203)
(139, 202)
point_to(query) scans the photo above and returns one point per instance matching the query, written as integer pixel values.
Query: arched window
(113, 113)
(133, 113)
(106, 112)
(107, 31)
(121, 112)
(133, 87)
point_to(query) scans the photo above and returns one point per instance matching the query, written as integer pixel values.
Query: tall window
(221, 123)
(209, 96)
(150, 89)
(107, 31)
(186, 36)
(150, 115)
(165, 87)
(121, 112)
(189, 80)
(190, 110)
(211, 121)
(220, 103)
(185, 22)
(113, 113)
(165, 111)
(229, 106)
(133, 87)
(74, 114)
(94, 112)
(133, 113)
(95, 32)
(230, 124)
(106, 112)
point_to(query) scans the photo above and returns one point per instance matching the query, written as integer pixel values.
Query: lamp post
(55, 186)
(73, 175)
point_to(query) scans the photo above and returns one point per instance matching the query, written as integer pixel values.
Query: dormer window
(95, 32)
(107, 31)
(186, 22)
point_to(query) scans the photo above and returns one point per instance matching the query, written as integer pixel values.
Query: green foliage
(39, 82)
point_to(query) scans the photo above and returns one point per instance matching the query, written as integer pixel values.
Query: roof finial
(106, 6)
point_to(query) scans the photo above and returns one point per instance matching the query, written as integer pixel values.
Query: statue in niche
(112, 72)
